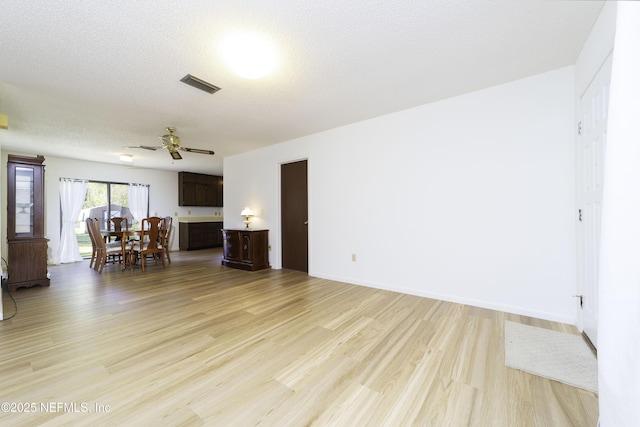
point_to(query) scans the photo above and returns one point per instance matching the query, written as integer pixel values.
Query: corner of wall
(596, 48)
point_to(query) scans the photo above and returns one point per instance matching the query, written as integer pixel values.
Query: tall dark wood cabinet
(27, 260)
(246, 249)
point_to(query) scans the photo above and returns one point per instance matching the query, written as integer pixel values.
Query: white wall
(163, 193)
(469, 199)
(619, 290)
(618, 367)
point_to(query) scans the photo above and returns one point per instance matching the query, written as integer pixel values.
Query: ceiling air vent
(199, 84)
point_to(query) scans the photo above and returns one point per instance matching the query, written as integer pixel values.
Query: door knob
(306, 223)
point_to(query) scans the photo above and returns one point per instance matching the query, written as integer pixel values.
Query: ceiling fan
(171, 142)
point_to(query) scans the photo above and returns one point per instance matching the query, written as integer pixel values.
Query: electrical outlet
(353, 257)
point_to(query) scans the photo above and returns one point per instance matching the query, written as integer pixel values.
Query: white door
(591, 145)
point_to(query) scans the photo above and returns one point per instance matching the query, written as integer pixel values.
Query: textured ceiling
(83, 79)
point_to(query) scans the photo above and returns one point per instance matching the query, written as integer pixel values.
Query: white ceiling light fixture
(126, 158)
(250, 55)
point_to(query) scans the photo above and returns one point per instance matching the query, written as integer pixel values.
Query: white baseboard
(521, 311)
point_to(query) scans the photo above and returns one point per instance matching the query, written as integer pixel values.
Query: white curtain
(138, 201)
(619, 284)
(72, 195)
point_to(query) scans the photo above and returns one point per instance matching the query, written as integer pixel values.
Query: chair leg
(103, 261)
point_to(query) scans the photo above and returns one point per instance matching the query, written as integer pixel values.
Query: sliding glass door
(104, 200)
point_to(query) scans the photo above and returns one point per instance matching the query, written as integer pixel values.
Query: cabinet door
(200, 194)
(217, 236)
(189, 195)
(25, 201)
(246, 254)
(197, 237)
(260, 248)
(184, 236)
(28, 261)
(218, 190)
(213, 191)
(186, 189)
(231, 245)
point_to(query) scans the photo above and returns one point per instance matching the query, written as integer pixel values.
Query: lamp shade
(246, 212)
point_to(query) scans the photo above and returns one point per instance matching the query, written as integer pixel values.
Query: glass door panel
(24, 201)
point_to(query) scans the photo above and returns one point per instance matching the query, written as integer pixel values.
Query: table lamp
(247, 213)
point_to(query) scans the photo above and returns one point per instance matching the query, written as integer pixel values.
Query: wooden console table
(246, 249)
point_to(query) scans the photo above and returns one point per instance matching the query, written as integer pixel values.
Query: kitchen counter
(188, 219)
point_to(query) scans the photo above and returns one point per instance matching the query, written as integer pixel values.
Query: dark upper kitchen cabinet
(195, 189)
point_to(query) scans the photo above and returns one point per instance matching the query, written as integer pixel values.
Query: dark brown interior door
(295, 239)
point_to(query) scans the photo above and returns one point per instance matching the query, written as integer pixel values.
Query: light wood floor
(202, 344)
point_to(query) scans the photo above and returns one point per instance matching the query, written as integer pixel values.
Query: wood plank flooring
(202, 344)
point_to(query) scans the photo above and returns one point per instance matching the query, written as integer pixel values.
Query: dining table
(126, 236)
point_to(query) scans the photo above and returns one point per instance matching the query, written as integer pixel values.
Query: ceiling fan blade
(197, 150)
(146, 147)
(175, 155)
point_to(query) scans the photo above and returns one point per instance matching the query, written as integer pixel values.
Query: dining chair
(107, 253)
(151, 241)
(94, 245)
(166, 236)
(119, 224)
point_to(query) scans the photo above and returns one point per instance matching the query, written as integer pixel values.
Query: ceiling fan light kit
(171, 143)
(170, 138)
